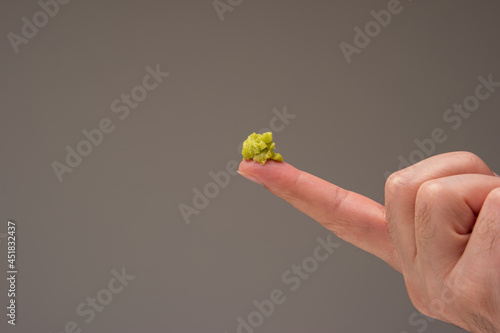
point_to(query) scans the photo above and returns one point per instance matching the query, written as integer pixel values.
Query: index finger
(351, 216)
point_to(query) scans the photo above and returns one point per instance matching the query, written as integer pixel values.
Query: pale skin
(440, 228)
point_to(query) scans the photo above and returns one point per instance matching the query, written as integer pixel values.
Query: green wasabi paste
(260, 148)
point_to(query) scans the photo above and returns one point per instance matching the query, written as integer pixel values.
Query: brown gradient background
(119, 208)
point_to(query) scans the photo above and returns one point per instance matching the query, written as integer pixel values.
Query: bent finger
(483, 249)
(446, 210)
(401, 192)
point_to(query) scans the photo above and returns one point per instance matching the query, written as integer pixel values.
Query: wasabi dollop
(260, 148)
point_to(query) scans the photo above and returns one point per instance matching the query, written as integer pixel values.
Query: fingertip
(249, 177)
(270, 172)
(244, 164)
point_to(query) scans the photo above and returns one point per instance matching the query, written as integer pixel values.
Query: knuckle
(397, 182)
(432, 190)
(470, 158)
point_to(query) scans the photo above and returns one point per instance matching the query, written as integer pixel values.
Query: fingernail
(251, 178)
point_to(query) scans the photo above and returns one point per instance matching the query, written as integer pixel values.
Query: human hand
(440, 228)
